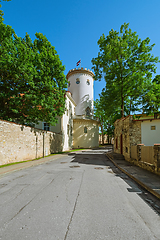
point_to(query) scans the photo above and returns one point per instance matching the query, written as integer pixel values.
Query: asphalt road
(80, 196)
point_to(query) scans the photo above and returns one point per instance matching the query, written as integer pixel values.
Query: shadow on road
(99, 158)
(94, 159)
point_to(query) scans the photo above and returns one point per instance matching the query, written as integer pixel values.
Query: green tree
(106, 115)
(151, 100)
(32, 80)
(126, 64)
(100, 113)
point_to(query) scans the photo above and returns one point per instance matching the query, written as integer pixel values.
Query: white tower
(85, 127)
(81, 87)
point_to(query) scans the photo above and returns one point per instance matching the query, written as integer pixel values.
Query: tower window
(85, 129)
(88, 111)
(69, 84)
(77, 81)
(88, 82)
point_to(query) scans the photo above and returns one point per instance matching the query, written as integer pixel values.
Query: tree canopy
(107, 117)
(151, 100)
(32, 80)
(126, 63)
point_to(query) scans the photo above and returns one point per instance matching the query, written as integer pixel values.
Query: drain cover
(99, 168)
(74, 166)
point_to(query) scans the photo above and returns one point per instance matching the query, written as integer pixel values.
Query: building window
(85, 129)
(88, 82)
(68, 129)
(69, 84)
(116, 143)
(77, 81)
(46, 126)
(88, 111)
(153, 127)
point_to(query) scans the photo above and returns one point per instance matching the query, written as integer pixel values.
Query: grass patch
(9, 164)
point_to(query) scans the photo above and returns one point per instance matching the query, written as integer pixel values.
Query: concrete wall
(19, 143)
(149, 136)
(85, 140)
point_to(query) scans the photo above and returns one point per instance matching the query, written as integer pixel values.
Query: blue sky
(74, 27)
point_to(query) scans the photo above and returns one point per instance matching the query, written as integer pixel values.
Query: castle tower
(85, 127)
(81, 87)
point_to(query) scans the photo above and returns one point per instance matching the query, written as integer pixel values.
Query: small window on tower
(88, 82)
(88, 111)
(69, 84)
(77, 81)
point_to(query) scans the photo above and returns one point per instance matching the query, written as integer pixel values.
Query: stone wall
(20, 143)
(126, 134)
(147, 157)
(127, 141)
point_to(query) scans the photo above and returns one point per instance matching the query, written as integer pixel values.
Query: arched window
(69, 84)
(88, 111)
(85, 129)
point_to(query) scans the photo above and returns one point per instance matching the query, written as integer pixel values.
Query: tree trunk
(102, 134)
(122, 98)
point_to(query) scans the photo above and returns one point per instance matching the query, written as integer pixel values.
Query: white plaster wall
(68, 120)
(81, 93)
(55, 129)
(150, 137)
(85, 140)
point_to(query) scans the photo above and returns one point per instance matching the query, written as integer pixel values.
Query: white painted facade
(67, 123)
(85, 127)
(150, 132)
(64, 125)
(77, 125)
(86, 133)
(81, 88)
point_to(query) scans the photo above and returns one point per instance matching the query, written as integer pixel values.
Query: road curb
(25, 165)
(135, 179)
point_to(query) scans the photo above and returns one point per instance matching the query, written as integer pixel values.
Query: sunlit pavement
(82, 195)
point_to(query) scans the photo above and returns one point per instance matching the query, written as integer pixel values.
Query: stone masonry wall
(130, 132)
(20, 143)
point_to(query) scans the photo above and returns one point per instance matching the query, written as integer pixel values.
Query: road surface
(77, 197)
